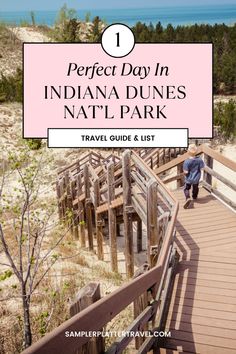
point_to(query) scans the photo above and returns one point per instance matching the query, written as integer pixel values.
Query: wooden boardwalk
(103, 194)
(202, 313)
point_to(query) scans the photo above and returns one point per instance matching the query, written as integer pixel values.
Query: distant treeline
(223, 37)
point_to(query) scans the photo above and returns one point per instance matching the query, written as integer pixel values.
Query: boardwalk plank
(203, 339)
(203, 290)
(207, 269)
(208, 264)
(204, 304)
(217, 277)
(195, 328)
(207, 257)
(202, 312)
(179, 318)
(198, 347)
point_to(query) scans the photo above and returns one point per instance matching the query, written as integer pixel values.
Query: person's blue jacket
(193, 168)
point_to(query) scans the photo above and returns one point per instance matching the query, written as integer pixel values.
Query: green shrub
(69, 31)
(68, 28)
(225, 117)
(24, 23)
(11, 87)
(34, 144)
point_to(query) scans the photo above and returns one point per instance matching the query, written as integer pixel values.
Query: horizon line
(127, 8)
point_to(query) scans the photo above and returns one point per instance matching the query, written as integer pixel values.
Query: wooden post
(140, 304)
(158, 158)
(90, 158)
(60, 212)
(63, 190)
(69, 202)
(139, 235)
(112, 217)
(209, 163)
(78, 167)
(151, 165)
(88, 209)
(169, 154)
(152, 226)
(74, 209)
(179, 171)
(86, 297)
(128, 224)
(66, 181)
(81, 213)
(163, 156)
(98, 220)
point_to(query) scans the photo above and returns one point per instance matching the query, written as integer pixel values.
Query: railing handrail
(105, 309)
(218, 157)
(155, 177)
(108, 307)
(210, 156)
(173, 163)
(201, 149)
(77, 162)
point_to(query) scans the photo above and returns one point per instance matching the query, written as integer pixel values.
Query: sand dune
(29, 34)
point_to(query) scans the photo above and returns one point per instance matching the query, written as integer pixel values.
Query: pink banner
(80, 86)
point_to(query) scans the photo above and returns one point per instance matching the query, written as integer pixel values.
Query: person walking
(192, 169)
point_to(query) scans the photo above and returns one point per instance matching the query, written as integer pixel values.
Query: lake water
(174, 15)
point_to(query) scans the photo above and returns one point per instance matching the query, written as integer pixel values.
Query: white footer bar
(116, 138)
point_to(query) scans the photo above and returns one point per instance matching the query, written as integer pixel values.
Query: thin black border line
(128, 147)
(153, 43)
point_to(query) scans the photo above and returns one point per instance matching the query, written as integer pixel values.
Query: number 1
(118, 39)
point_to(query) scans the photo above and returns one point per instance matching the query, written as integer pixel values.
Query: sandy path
(28, 34)
(224, 99)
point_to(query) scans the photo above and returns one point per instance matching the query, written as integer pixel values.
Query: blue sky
(17, 5)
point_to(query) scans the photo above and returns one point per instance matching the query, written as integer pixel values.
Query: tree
(229, 125)
(88, 17)
(24, 223)
(32, 15)
(67, 26)
(158, 30)
(71, 31)
(96, 30)
(65, 14)
(223, 37)
(170, 33)
(225, 117)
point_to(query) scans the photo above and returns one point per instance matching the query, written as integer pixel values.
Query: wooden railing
(127, 191)
(96, 316)
(133, 188)
(116, 192)
(93, 158)
(210, 172)
(158, 157)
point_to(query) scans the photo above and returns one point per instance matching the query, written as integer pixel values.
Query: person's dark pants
(195, 190)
